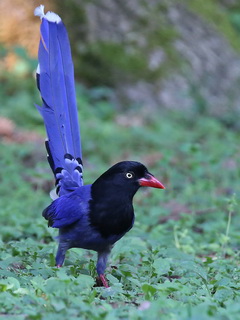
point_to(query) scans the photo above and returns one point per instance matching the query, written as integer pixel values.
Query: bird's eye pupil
(129, 175)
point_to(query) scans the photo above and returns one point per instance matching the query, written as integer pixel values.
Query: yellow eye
(129, 175)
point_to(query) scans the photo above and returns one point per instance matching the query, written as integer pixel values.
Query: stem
(229, 222)
(177, 244)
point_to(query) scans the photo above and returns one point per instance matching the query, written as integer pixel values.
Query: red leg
(58, 265)
(104, 281)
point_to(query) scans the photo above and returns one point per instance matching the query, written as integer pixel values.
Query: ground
(181, 259)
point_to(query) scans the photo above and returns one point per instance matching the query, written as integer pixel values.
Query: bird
(93, 216)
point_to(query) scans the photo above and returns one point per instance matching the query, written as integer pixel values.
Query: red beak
(150, 181)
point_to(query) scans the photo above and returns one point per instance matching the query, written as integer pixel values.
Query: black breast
(111, 217)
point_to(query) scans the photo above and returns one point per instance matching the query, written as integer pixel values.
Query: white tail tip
(50, 16)
(39, 11)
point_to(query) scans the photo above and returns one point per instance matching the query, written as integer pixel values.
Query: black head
(111, 209)
(127, 177)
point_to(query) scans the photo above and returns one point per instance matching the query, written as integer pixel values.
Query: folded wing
(69, 208)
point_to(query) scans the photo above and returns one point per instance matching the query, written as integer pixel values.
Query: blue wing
(55, 80)
(68, 208)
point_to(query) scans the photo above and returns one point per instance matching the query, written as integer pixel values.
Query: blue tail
(55, 81)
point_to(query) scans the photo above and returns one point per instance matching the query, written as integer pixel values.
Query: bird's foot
(58, 265)
(101, 281)
(104, 281)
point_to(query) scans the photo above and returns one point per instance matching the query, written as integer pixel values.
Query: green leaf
(148, 290)
(85, 281)
(161, 266)
(223, 294)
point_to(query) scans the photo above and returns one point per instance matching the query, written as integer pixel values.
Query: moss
(163, 37)
(107, 63)
(74, 17)
(217, 15)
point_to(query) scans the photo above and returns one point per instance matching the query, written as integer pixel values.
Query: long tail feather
(55, 81)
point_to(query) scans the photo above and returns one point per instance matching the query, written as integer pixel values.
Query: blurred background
(160, 54)
(157, 81)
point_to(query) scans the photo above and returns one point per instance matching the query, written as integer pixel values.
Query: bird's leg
(60, 257)
(104, 281)
(101, 266)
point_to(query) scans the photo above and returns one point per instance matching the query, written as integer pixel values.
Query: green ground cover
(181, 259)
